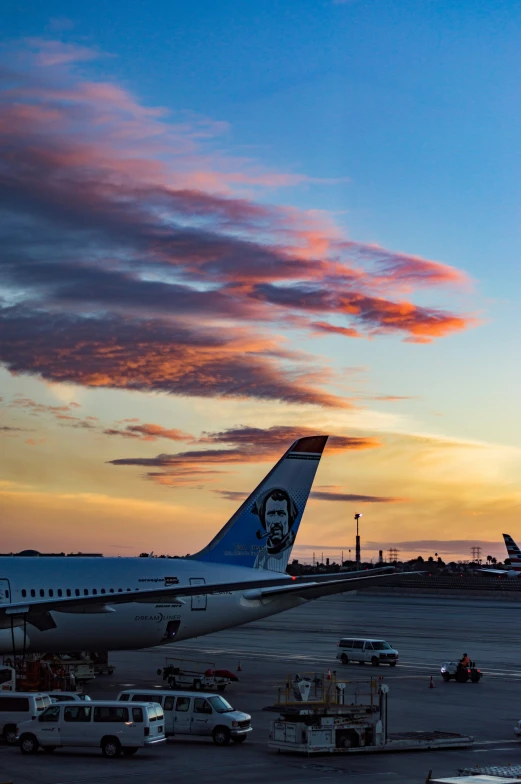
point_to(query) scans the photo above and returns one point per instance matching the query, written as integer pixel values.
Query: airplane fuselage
(136, 624)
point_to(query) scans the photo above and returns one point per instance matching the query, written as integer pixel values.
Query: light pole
(357, 557)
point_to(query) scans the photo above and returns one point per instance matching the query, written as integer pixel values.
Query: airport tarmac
(426, 631)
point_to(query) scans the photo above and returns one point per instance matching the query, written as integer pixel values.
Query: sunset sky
(225, 225)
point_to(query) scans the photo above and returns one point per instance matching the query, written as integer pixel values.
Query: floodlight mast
(358, 515)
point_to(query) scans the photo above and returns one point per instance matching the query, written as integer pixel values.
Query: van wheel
(10, 734)
(111, 747)
(344, 659)
(197, 685)
(374, 661)
(239, 738)
(28, 744)
(392, 664)
(130, 750)
(221, 736)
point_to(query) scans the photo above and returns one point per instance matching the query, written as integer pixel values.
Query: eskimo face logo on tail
(277, 512)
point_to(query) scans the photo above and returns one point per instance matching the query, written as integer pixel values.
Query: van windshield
(219, 704)
(381, 646)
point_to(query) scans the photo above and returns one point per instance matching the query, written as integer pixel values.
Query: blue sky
(400, 123)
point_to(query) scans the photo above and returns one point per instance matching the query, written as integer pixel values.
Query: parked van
(358, 649)
(68, 696)
(19, 706)
(114, 727)
(202, 714)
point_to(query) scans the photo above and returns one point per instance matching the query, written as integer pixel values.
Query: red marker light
(293, 578)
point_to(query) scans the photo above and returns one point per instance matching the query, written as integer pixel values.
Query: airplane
(50, 604)
(514, 554)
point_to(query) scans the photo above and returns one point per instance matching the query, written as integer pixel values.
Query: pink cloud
(149, 262)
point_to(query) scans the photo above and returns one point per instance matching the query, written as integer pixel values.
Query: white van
(114, 727)
(68, 696)
(361, 650)
(203, 714)
(19, 706)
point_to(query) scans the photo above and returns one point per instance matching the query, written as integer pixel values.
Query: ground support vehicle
(100, 660)
(452, 670)
(35, 673)
(197, 675)
(200, 714)
(17, 707)
(319, 714)
(115, 728)
(362, 650)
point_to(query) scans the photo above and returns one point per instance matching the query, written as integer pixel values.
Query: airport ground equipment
(320, 713)
(7, 678)
(50, 671)
(102, 665)
(490, 774)
(451, 670)
(197, 675)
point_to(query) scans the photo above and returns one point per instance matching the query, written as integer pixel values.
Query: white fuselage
(134, 625)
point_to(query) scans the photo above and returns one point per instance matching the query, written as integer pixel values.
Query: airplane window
(94, 591)
(24, 592)
(129, 589)
(60, 592)
(86, 591)
(33, 592)
(68, 591)
(120, 590)
(42, 592)
(51, 592)
(103, 590)
(77, 591)
(112, 590)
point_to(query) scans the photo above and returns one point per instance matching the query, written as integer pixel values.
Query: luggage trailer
(320, 714)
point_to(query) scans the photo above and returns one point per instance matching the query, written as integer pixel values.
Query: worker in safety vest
(465, 661)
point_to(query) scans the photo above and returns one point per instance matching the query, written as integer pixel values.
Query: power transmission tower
(393, 554)
(476, 553)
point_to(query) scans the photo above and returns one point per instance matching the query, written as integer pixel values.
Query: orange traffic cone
(431, 683)
(329, 674)
(239, 668)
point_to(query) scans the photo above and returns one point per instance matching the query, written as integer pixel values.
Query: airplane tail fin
(514, 553)
(262, 531)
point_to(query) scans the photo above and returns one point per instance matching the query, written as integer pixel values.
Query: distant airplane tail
(262, 531)
(514, 553)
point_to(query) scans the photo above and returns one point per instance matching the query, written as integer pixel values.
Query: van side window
(77, 713)
(124, 697)
(137, 714)
(110, 713)
(146, 698)
(202, 706)
(51, 714)
(346, 643)
(169, 703)
(182, 704)
(14, 704)
(358, 643)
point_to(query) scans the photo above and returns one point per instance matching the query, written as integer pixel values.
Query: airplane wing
(37, 611)
(494, 571)
(314, 590)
